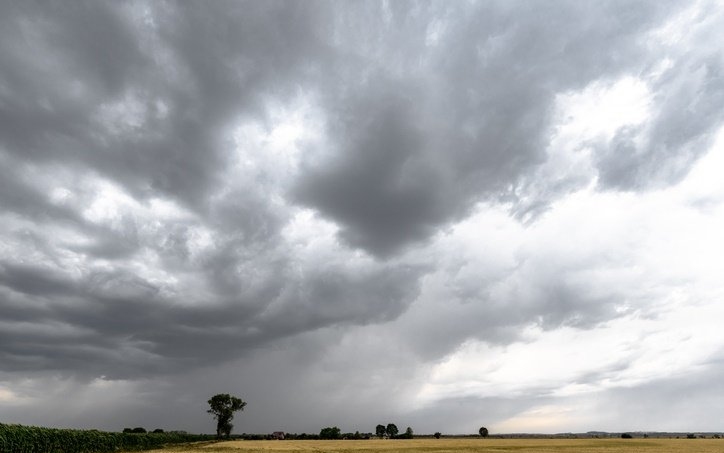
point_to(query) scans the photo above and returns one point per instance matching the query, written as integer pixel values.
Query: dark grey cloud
(144, 93)
(135, 330)
(155, 222)
(462, 115)
(377, 189)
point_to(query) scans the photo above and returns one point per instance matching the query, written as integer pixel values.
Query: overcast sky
(438, 214)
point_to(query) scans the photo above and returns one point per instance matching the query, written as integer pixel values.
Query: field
(35, 439)
(460, 446)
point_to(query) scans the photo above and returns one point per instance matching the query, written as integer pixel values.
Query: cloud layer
(400, 206)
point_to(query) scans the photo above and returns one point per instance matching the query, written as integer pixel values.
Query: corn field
(32, 439)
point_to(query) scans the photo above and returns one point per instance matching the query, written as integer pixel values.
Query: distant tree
(626, 436)
(380, 431)
(437, 435)
(330, 433)
(222, 407)
(407, 434)
(158, 431)
(127, 430)
(483, 431)
(392, 430)
(138, 430)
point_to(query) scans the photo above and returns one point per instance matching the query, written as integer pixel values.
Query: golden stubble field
(459, 446)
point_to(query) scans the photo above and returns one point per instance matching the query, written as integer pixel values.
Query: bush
(626, 436)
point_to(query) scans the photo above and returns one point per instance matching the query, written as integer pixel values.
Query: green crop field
(34, 439)
(452, 445)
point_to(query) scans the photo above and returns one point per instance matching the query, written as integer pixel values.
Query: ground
(466, 445)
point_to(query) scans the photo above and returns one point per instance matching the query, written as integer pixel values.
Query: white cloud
(600, 109)
(655, 255)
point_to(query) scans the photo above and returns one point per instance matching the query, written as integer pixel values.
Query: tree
(330, 433)
(222, 407)
(380, 431)
(392, 430)
(407, 434)
(437, 435)
(483, 431)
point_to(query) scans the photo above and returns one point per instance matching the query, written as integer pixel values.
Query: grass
(459, 446)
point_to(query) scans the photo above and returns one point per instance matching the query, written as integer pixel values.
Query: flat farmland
(459, 446)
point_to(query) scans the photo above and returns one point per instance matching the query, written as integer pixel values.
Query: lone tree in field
(483, 431)
(392, 430)
(222, 407)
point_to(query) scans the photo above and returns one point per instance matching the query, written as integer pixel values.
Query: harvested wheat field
(461, 446)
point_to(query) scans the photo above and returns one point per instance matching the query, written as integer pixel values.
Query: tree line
(223, 406)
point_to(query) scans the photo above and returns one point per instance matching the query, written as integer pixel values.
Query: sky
(442, 215)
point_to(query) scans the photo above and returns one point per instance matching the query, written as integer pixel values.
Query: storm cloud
(399, 205)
